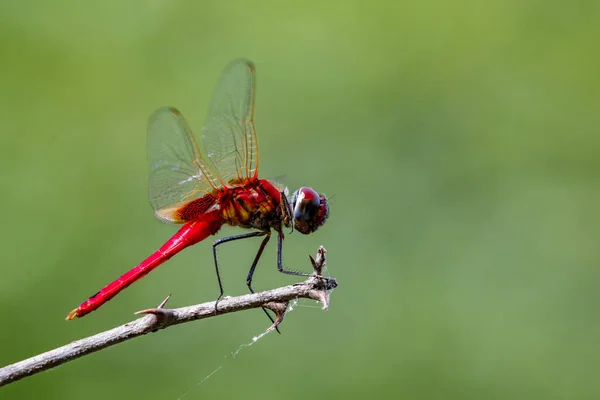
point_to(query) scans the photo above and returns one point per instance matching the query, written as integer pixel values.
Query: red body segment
(189, 234)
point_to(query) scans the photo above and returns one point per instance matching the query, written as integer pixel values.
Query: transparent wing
(178, 173)
(228, 133)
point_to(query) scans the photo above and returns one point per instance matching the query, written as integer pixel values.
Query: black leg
(255, 262)
(251, 273)
(280, 262)
(225, 240)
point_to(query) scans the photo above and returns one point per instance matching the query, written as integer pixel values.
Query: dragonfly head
(310, 210)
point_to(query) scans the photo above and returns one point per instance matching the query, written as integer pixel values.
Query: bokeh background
(459, 141)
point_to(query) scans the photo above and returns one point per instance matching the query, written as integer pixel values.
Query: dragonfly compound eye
(310, 210)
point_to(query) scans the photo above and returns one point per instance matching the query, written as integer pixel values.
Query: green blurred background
(459, 141)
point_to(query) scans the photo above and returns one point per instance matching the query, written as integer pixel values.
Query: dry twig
(160, 318)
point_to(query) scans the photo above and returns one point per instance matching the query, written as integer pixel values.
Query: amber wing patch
(191, 210)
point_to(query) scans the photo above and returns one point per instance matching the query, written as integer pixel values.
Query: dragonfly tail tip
(72, 315)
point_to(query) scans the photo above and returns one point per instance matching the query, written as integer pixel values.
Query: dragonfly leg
(225, 240)
(251, 273)
(280, 262)
(255, 262)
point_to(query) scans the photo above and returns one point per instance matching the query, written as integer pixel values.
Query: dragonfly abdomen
(189, 234)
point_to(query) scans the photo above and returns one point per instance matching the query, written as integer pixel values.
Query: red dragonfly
(203, 194)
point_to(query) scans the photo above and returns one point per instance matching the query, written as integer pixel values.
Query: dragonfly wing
(178, 173)
(228, 133)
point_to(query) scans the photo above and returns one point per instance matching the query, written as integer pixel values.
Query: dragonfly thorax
(253, 205)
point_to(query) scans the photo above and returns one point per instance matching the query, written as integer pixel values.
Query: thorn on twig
(163, 316)
(164, 302)
(324, 299)
(279, 308)
(320, 262)
(325, 284)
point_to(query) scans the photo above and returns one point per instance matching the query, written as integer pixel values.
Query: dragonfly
(204, 191)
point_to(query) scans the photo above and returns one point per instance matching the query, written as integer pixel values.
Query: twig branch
(160, 318)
